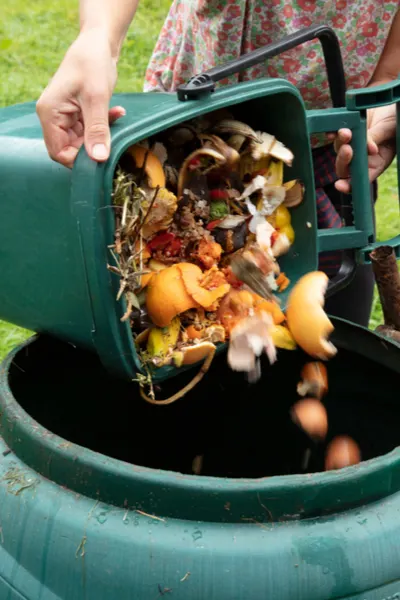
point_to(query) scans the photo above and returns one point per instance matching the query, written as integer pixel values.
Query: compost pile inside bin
(203, 214)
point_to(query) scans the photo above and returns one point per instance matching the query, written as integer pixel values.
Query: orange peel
(192, 276)
(194, 354)
(176, 289)
(306, 317)
(167, 296)
(145, 280)
(153, 167)
(193, 333)
(269, 306)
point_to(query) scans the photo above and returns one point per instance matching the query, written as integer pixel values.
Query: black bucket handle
(204, 84)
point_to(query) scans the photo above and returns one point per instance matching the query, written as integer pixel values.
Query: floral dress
(200, 34)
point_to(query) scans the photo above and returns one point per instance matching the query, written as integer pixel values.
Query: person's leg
(354, 303)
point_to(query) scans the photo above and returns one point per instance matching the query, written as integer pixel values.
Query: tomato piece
(173, 248)
(218, 194)
(160, 241)
(274, 237)
(213, 224)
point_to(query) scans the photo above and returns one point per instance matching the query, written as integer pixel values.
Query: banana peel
(161, 340)
(275, 173)
(282, 338)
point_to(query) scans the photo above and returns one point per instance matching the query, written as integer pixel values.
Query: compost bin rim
(89, 473)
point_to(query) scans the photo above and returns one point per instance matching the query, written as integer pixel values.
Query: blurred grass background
(33, 39)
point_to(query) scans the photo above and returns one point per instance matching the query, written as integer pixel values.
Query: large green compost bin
(56, 224)
(96, 502)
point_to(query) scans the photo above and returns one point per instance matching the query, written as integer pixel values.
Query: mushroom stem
(387, 279)
(196, 379)
(217, 156)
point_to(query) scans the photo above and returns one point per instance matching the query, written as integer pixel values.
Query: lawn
(33, 40)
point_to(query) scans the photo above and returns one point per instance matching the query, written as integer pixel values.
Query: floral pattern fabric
(200, 34)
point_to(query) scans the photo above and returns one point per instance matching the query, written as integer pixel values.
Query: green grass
(33, 39)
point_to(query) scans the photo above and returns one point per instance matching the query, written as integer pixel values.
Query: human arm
(381, 122)
(74, 107)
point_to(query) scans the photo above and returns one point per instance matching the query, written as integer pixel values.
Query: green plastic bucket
(56, 224)
(97, 502)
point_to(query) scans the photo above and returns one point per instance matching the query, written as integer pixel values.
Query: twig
(128, 311)
(269, 513)
(148, 210)
(144, 514)
(196, 379)
(81, 548)
(387, 278)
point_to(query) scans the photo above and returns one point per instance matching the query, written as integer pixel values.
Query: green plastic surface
(70, 526)
(56, 224)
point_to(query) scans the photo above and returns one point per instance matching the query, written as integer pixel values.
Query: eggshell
(342, 452)
(311, 416)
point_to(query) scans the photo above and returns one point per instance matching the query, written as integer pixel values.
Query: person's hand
(381, 146)
(74, 108)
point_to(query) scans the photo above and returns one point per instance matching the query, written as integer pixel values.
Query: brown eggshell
(311, 416)
(342, 452)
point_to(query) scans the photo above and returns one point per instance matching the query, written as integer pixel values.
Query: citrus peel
(306, 317)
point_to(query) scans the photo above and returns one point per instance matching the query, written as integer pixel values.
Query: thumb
(96, 126)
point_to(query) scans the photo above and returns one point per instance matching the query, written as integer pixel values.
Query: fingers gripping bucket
(57, 224)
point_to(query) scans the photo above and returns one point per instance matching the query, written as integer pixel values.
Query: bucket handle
(203, 84)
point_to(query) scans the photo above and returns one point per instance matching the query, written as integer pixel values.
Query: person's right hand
(74, 108)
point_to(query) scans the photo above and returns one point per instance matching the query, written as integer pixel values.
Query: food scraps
(203, 214)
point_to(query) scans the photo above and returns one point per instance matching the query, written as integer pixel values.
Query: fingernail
(99, 152)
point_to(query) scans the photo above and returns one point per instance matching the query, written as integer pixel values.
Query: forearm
(113, 16)
(388, 67)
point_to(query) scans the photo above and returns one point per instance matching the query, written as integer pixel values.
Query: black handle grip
(205, 82)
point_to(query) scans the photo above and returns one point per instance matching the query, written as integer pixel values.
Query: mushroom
(270, 146)
(294, 193)
(191, 160)
(237, 128)
(231, 233)
(306, 318)
(250, 338)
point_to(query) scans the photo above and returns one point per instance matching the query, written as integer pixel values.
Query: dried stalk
(196, 379)
(387, 278)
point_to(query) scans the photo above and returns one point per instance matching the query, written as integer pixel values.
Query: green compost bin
(56, 224)
(97, 501)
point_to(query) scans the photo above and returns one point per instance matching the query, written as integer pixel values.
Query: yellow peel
(306, 318)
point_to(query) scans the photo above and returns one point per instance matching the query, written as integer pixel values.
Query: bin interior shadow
(242, 430)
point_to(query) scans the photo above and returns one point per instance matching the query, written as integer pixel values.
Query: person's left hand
(381, 146)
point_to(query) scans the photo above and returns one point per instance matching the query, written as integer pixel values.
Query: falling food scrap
(311, 416)
(314, 380)
(342, 452)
